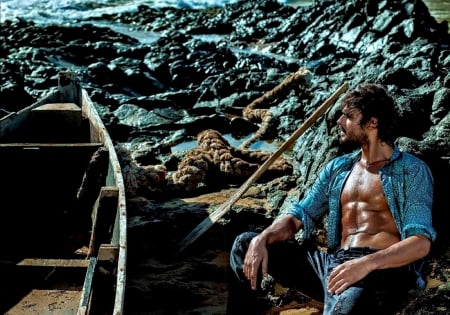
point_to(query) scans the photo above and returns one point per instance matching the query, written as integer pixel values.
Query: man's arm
(399, 254)
(280, 230)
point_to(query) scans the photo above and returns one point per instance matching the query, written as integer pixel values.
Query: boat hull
(63, 208)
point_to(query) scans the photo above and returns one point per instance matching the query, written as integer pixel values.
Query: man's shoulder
(411, 163)
(408, 158)
(350, 157)
(343, 162)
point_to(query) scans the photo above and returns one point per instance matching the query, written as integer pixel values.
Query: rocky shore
(162, 77)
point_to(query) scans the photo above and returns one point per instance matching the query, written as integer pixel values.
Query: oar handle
(225, 207)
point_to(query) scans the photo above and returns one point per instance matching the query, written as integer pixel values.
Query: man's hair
(374, 101)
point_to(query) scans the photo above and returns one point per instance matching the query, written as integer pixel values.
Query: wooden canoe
(63, 210)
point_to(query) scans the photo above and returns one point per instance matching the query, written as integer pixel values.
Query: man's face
(350, 126)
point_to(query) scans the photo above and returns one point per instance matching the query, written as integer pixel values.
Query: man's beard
(352, 139)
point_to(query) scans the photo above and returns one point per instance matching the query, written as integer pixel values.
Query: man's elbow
(294, 223)
(423, 247)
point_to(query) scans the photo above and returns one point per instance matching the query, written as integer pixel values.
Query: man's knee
(238, 251)
(242, 242)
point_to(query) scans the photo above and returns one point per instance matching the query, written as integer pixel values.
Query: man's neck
(376, 151)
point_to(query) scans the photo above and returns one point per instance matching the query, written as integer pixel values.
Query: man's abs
(366, 218)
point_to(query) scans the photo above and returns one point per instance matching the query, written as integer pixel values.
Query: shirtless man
(378, 200)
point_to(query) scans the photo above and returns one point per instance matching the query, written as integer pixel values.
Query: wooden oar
(225, 207)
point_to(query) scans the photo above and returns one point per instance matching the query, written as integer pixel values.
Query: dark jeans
(306, 268)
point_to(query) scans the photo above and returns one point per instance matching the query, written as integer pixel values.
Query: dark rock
(205, 66)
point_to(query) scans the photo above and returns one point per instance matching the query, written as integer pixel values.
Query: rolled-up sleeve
(418, 201)
(315, 202)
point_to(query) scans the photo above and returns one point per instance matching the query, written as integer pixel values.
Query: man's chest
(362, 185)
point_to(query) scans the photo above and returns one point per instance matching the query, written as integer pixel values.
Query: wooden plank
(68, 107)
(108, 252)
(58, 117)
(47, 302)
(50, 145)
(103, 215)
(83, 308)
(46, 262)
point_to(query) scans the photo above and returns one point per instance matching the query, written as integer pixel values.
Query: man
(378, 200)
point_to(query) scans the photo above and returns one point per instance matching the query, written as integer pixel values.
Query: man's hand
(256, 256)
(397, 255)
(347, 274)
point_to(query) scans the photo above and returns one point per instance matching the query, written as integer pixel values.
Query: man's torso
(366, 218)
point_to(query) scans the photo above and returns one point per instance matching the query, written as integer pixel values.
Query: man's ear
(372, 123)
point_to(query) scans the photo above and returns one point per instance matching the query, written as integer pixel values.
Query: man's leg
(380, 292)
(241, 298)
(288, 265)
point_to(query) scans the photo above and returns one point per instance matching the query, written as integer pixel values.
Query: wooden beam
(108, 252)
(103, 215)
(46, 262)
(83, 308)
(26, 145)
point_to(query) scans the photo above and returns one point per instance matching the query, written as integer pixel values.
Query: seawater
(66, 11)
(234, 142)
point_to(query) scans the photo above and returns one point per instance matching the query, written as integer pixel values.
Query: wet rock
(204, 67)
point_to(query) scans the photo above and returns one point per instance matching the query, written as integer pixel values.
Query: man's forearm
(281, 229)
(400, 254)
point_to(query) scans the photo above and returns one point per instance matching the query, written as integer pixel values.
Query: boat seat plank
(6, 146)
(68, 107)
(47, 302)
(108, 252)
(45, 262)
(80, 149)
(61, 114)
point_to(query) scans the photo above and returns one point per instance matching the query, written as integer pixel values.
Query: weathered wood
(83, 308)
(31, 145)
(108, 252)
(68, 113)
(47, 262)
(222, 210)
(47, 146)
(103, 215)
(57, 122)
(47, 302)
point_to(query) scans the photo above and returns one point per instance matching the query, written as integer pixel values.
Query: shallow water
(259, 145)
(65, 11)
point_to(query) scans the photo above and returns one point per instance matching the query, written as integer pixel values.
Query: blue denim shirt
(407, 183)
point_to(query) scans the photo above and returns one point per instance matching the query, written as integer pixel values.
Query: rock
(199, 71)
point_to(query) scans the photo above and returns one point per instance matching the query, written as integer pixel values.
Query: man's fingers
(254, 271)
(255, 258)
(336, 281)
(264, 267)
(339, 287)
(251, 265)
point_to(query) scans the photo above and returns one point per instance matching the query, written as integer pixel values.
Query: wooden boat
(63, 210)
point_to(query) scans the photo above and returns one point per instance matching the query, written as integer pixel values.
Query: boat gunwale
(90, 110)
